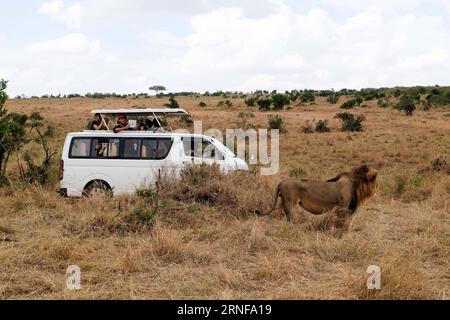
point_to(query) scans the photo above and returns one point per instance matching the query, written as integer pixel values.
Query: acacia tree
(12, 132)
(157, 89)
(35, 172)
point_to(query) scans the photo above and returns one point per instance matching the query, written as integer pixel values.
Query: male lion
(346, 191)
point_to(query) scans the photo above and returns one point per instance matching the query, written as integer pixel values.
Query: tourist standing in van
(96, 123)
(122, 124)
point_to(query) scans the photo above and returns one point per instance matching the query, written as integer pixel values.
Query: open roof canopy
(143, 112)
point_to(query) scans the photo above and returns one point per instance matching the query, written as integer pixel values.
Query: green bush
(407, 105)
(359, 100)
(276, 122)
(280, 100)
(143, 214)
(349, 104)
(264, 104)
(202, 104)
(243, 121)
(251, 102)
(186, 120)
(322, 126)
(13, 135)
(308, 96)
(397, 93)
(333, 98)
(383, 103)
(146, 193)
(350, 122)
(173, 104)
(225, 103)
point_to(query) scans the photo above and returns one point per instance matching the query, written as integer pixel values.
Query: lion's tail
(277, 194)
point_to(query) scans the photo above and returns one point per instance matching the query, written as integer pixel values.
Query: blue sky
(80, 46)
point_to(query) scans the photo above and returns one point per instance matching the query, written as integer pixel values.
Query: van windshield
(219, 145)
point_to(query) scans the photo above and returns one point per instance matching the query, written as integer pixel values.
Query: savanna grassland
(204, 241)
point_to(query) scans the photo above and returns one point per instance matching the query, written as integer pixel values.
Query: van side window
(149, 148)
(99, 148)
(121, 148)
(114, 148)
(164, 146)
(156, 148)
(81, 148)
(132, 149)
(201, 148)
(193, 147)
(208, 149)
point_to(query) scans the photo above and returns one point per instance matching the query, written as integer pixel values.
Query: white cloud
(57, 10)
(290, 61)
(74, 43)
(229, 47)
(95, 11)
(431, 58)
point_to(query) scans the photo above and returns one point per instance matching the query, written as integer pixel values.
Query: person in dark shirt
(96, 123)
(152, 124)
(100, 148)
(122, 124)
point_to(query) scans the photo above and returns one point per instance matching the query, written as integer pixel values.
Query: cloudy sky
(80, 46)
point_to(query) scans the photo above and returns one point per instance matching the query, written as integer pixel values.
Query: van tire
(97, 189)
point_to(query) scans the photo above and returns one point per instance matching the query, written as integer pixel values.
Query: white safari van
(103, 161)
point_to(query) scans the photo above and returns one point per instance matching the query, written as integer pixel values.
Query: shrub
(276, 122)
(39, 173)
(225, 103)
(397, 93)
(280, 100)
(349, 104)
(251, 102)
(146, 193)
(383, 103)
(350, 122)
(407, 105)
(186, 120)
(243, 121)
(359, 99)
(333, 98)
(142, 214)
(438, 97)
(414, 94)
(308, 127)
(308, 96)
(202, 104)
(322, 126)
(173, 104)
(12, 132)
(264, 104)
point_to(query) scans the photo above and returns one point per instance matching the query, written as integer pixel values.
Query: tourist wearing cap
(122, 124)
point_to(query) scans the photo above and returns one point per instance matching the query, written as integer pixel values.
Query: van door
(199, 151)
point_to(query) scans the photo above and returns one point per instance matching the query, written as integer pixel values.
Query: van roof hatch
(141, 113)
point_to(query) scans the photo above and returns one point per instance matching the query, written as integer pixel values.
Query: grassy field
(218, 249)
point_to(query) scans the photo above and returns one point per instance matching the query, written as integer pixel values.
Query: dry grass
(205, 241)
